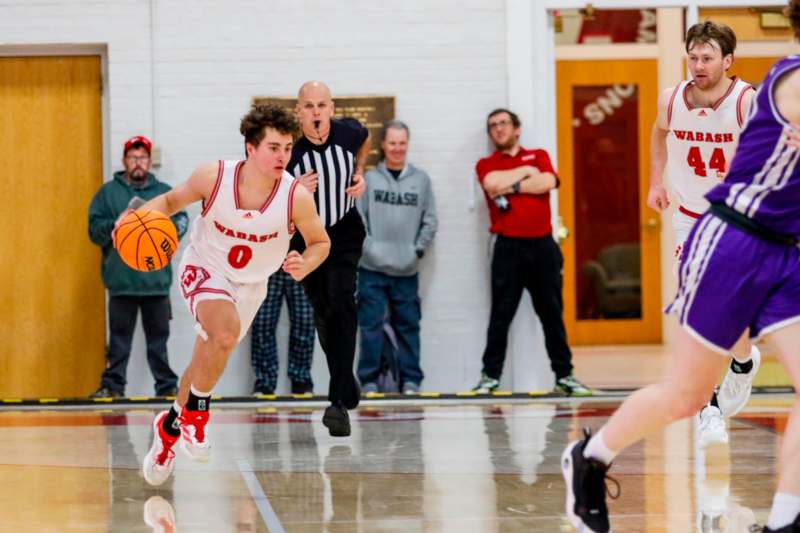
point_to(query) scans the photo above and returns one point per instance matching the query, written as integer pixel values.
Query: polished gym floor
(449, 466)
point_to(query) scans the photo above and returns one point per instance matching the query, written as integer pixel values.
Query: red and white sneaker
(194, 439)
(160, 460)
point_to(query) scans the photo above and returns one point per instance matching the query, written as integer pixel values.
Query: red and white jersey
(701, 141)
(244, 245)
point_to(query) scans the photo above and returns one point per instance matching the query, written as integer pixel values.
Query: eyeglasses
(499, 124)
(137, 158)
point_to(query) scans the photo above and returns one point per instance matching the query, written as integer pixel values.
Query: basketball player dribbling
(250, 211)
(694, 137)
(740, 269)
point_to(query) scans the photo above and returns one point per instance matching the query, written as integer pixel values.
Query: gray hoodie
(400, 218)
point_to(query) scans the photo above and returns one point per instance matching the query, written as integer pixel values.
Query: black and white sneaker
(794, 527)
(586, 488)
(337, 421)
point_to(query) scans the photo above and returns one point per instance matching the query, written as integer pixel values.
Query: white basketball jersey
(701, 141)
(244, 245)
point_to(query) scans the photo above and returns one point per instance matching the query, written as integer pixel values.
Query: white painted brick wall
(443, 60)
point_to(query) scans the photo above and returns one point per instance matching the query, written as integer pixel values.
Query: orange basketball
(146, 240)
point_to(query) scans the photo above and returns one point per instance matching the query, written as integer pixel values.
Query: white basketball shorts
(200, 282)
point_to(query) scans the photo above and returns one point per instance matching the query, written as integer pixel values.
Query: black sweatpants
(331, 289)
(535, 265)
(156, 314)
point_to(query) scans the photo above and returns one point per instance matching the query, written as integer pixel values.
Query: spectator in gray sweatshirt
(399, 212)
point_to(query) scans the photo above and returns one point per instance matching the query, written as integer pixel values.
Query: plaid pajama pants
(264, 348)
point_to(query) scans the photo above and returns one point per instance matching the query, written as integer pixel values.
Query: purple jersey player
(741, 269)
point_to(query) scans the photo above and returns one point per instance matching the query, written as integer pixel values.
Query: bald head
(314, 89)
(315, 109)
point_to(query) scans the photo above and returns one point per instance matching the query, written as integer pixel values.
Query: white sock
(745, 358)
(597, 449)
(198, 393)
(785, 508)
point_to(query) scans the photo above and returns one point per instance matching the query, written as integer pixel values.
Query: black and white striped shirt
(334, 161)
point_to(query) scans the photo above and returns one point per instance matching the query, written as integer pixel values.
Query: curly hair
(792, 12)
(705, 32)
(263, 116)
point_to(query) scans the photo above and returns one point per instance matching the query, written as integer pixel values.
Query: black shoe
(302, 387)
(794, 527)
(257, 391)
(355, 396)
(105, 392)
(337, 421)
(586, 488)
(172, 391)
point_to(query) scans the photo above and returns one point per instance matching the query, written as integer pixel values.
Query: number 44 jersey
(701, 141)
(244, 245)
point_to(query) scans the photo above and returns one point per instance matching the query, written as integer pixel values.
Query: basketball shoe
(586, 488)
(486, 384)
(159, 515)
(160, 460)
(711, 428)
(737, 386)
(570, 386)
(194, 438)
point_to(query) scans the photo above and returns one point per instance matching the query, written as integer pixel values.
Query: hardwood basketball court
(487, 466)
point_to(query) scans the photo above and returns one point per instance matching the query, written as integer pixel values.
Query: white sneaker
(160, 460)
(712, 427)
(194, 439)
(159, 515)
(736, 388)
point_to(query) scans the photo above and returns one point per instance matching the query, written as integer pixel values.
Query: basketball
(146, 240)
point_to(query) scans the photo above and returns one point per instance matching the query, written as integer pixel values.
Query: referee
(329, 161)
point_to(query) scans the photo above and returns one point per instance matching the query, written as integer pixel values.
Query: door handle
(562, 231)
(651, 224)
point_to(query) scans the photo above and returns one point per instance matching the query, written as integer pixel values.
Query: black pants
(156, 314)
(331, 289)
(535, 265)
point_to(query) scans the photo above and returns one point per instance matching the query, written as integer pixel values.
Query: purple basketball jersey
(764, 181)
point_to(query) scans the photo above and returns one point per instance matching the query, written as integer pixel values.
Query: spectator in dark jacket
(399, 212)
(130, 290)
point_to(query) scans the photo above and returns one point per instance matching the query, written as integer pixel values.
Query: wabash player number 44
(694, 137)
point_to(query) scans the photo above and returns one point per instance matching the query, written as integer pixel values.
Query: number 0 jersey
(244, 245)
(700, 142)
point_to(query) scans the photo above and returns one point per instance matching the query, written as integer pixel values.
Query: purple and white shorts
(730, 280)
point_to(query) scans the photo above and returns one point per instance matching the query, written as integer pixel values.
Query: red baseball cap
(139, 140)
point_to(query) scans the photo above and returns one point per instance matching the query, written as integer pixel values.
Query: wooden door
(612, 275)
(52, 321)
